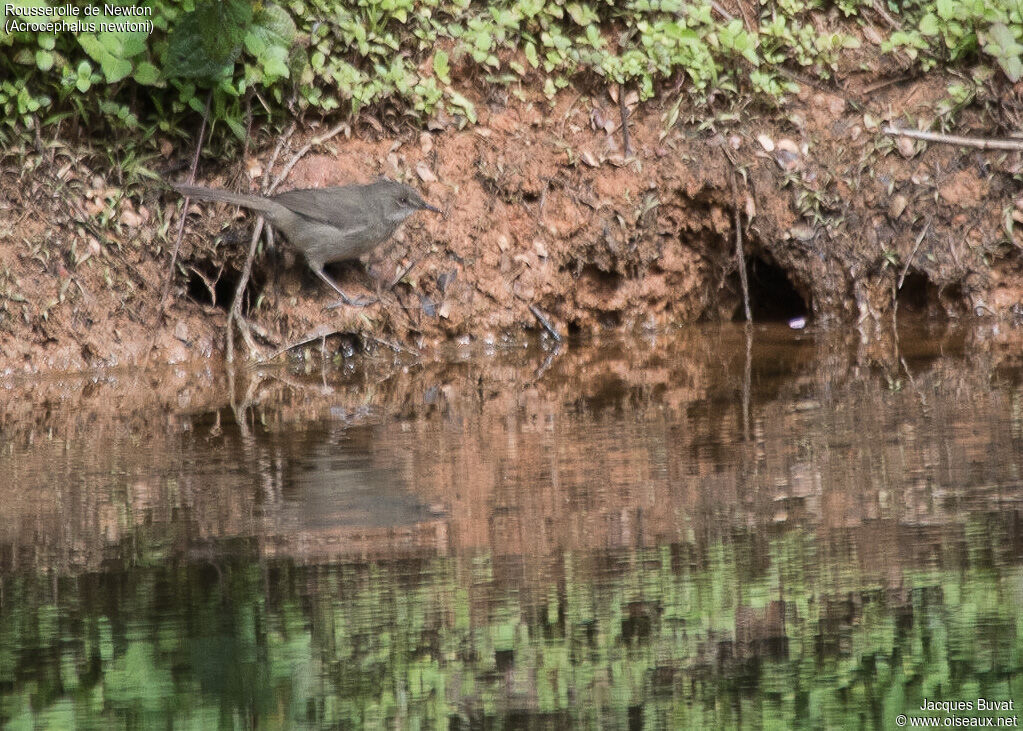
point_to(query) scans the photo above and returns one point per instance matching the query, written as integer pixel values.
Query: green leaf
(44, 60)
(274, 26)
(582, 14)
(114, 67)
(464, 104)
(269, 39)
(205, 43)
(1001, 43)
(929, 24)
(146, 74)
(236, 127)
(947, 9)
(113, 50)
(254, 43)
(275, 62)
(441, 67)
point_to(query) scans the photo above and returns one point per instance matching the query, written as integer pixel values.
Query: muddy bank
(542, 208)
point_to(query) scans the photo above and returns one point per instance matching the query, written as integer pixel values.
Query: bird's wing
(343, 207)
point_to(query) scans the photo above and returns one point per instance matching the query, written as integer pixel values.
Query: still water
(712, 529)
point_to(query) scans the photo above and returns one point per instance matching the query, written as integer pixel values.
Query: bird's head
(403, 200)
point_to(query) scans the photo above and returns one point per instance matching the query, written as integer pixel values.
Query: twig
(273, 158)
(255, 352)
(749, 23)
(397, 279)
(236, 304)
(887, 18)
(912, 254)
(321, 332)
(210, 285)
(184, 207)
(887, 82)
(545, 323)
(740, 256)
(235, 314)
(721, 10)
(747, 383)
(248, 126)
(624, 110)
(315, 141)
(392, 345)
(977, 142)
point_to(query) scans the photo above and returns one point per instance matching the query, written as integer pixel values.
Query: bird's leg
(345, 299)
(332, 284)
(377, 283)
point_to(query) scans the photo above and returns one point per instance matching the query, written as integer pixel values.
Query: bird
(328, 224)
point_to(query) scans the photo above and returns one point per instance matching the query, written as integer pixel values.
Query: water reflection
(694, 531)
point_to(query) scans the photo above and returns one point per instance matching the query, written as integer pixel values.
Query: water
(700, 530)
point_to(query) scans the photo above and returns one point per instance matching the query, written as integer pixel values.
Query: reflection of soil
(521, 454)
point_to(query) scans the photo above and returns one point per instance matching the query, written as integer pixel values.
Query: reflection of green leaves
(411, 642)
(137, 680)
(205, 43)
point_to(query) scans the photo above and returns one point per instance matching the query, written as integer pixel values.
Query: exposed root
(624, 109)
(235, 315)
(545, 323)
(321, 333)
(740, 255)
(184, 208)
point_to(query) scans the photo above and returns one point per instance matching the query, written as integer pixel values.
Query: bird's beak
(427, 207)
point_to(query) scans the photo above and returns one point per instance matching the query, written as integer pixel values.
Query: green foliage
(955, 30)
(408, 53)
(117, 53)
(324, 55)
(1002, 44)
(205, 43)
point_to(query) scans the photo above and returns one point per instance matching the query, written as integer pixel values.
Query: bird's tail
(255, 202)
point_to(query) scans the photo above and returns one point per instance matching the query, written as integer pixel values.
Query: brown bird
(329, 224)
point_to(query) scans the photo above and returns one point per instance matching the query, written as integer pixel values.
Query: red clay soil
(543, 211)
